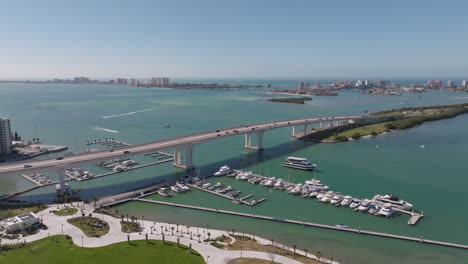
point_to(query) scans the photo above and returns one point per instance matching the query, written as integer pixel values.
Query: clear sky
(234, 38)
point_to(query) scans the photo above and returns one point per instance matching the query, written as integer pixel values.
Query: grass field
(58, 250)
(363, 131)
(66, 211)
(91, 226)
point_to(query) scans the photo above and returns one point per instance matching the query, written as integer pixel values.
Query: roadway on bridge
(163, 144)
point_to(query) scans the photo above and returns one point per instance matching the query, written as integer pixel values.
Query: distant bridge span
(178, 144)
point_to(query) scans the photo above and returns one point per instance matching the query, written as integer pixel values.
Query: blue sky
(234, 39)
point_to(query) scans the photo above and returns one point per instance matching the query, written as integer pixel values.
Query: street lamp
(62, 229)
(82, 241)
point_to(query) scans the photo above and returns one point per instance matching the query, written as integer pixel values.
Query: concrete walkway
(58, 225)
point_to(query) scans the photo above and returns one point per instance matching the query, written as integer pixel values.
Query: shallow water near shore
(433, 179)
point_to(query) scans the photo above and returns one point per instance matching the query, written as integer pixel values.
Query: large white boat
(386, 210)
(346, 200)
(364, 205)
(394, 201)
(355, 204)
(298, 163)
(296, 190)
(224, 170)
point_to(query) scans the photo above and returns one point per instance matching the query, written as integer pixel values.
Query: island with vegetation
(291, 100)
(388, 121)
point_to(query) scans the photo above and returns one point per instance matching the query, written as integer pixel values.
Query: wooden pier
(303, 223)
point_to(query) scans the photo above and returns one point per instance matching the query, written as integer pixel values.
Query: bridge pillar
(188, 157)
(248, 140)
(320, 124)
(305, 129)
(293, 131)
(61, 173)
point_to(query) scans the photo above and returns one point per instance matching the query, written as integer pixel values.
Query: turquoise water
(433, 179)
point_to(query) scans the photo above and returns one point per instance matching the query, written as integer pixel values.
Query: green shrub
(356, 135)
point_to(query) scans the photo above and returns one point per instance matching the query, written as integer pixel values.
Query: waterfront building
(434, 84)
(450, 84)
(122, 81)
(133, 82)
(303, 85)
(318, 85)
(159, 81)
(381, 83)
(5, 136)
(22, 222)
(465, 84)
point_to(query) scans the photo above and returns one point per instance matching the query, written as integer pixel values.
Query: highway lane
(163, 144)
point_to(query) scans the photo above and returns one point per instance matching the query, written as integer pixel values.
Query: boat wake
(105, 129)
(129, 113)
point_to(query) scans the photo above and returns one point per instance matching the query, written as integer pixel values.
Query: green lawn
(66, 211)
(292, 100)
(59, 250)
(91, 226)
(130, 227)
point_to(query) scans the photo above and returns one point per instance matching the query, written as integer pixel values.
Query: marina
(380, 205)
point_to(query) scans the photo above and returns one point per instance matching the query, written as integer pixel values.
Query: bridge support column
(61, 173)
(293, 131)
(248, 141)
(305, 129)
(188, 157)
(320, 124)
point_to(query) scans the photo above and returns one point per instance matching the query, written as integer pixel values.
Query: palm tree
(209, 235)
(190, 248)
(318, 254)
(122, 217)
(294, 248)
(305, 251)
(178, 240)
(172, 230)
(272, 242)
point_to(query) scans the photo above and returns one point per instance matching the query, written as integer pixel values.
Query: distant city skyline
(210, 39)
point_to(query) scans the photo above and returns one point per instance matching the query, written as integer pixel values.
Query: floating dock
(241, 200)
(303, 223)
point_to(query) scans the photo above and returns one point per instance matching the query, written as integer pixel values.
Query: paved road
(163, 144)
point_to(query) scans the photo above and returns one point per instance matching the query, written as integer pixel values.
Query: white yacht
(278, 183)
(176, 189)
(206, 185)
(245, 176)
(183, 186)
(373, 209)
(270, 182)
(296, 190)
(386, 210)
(336, 199)
(314, 194)
(224, 170)
(327, 198)
(355, 204)
(364, 205)
(394, 201)
(320, 195)
(346, 200)
(298, 163)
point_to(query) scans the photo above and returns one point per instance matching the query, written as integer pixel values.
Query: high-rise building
(449, 83)
(159, 81)
(5, 136)
(133, 82)
(465, 84)
(122, 81)
(303, 85)
(381, 83)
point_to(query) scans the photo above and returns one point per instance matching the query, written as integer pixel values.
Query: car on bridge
(27, 166)
(59, 158)
(126, 151)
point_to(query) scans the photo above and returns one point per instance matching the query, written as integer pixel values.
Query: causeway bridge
(181, 145)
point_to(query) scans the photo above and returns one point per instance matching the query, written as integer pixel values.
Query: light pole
(82, 241)
(62, 229)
